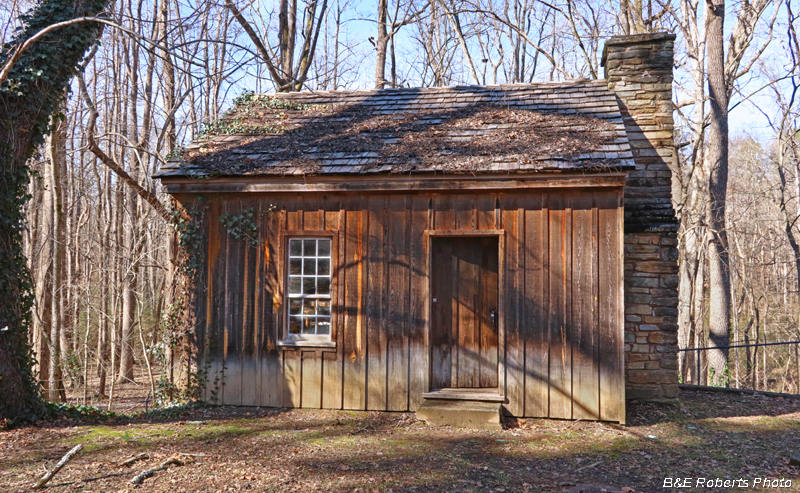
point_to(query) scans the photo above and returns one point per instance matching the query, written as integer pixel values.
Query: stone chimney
(638, 69)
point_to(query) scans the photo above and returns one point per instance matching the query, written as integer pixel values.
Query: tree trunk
(55, 374)
(25, 114)
(381, 45)
(128, 295)
(717, 159)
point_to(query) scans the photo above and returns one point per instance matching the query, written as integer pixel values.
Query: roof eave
(417, 182)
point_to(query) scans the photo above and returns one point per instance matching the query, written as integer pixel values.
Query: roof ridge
(444, 89)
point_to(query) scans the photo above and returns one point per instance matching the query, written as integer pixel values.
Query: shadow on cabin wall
(553, 338)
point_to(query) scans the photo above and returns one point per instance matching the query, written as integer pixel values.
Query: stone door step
(482, 395)
(461, 414)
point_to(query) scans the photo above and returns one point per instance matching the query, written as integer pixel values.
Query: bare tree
(288, 69)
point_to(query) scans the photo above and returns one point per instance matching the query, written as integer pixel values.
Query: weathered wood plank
(332, 362)
(464, 215)
(232, 386)
(249, 359)
(535, 334)
(443, 216)
(467, 286)
(311, 387)
(293, 378)
(488, 309)
(396, 318)
(560, 345)
(271, 296)
(376, 303)
(313, 216)
(294, 213)
(585, 378)
(512, 223)
(419, 299)
(485, 211)
(442, 313)
(214, 306)
(354, 334)
(198, 300)
(612, 399)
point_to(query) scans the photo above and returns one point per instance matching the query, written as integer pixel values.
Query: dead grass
(708, 435)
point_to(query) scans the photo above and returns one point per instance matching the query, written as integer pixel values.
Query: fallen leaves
(303, 450)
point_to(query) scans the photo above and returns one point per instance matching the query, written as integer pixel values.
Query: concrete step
(461, 414)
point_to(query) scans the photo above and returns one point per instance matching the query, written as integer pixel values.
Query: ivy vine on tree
(28, 97)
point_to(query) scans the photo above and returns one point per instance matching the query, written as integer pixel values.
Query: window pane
(323, 267)
(323, 325)
(294, 325)
(308, 307)
(309, 248)
(308, 300)
(295, 266)
(323, 285)
(295, 306)
(309, 326)
(324, 248)
(295, 248)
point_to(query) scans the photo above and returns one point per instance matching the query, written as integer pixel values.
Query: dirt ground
(708, 436)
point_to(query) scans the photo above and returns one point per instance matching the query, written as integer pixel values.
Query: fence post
(697, 376)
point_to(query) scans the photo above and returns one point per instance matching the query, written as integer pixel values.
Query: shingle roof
(467, 129)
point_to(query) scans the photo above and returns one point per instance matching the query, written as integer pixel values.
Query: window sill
(303, 343)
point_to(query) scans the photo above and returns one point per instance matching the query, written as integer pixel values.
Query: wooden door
(464, 302)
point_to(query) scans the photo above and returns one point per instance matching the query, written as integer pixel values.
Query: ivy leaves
(242, 226)
(32, 92)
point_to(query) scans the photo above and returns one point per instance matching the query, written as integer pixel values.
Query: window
(309, 289)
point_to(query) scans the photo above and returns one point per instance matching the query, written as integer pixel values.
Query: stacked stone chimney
(638, 69)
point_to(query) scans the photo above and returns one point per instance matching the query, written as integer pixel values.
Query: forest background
(101, 238)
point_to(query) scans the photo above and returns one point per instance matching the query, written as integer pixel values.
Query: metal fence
(763, 366)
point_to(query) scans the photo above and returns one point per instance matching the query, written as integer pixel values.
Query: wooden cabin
(370, 250)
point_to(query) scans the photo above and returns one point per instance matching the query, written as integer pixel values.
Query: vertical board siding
(510, 316)
(332, 368)
(585, 379)
(610, 333)
(559, 325)
(232, 369)
(216, 306)
(560, 347)
(537, 347)
(354, 344)
(271, 366)
(249, 359)
(376, 304)
(418, 376)
(397, 303)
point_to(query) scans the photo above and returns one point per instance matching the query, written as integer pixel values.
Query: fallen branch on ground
(139, 478)
(134, 459)
(52, 472)
(587, 467)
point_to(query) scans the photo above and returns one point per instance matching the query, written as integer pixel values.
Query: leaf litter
(249, 449)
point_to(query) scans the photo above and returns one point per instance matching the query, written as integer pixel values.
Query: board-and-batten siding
(560, 284)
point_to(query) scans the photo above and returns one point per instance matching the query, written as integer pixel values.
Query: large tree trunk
(24, 117)
(717, 159)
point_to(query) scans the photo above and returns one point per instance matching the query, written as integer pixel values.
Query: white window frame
(300, 339)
